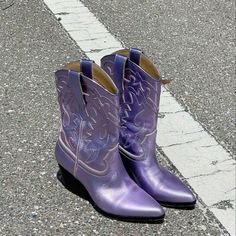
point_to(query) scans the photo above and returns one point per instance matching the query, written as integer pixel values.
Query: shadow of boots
(72, 184)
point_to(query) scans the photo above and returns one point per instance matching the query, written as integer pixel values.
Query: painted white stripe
(208, 168)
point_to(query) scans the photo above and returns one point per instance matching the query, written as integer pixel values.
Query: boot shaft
(90, 119)
(139, 101)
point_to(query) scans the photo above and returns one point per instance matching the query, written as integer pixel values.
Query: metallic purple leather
(87, 147)
(139, 106)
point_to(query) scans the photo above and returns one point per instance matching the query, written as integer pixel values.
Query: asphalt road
(32, 201)
(191, 42)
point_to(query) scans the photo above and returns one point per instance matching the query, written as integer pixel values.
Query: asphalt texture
(191, 42)
(32, 200)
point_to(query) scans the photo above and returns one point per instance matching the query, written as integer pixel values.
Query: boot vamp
(173, 190)
(122, 196)
(159, 182)
(116, 193)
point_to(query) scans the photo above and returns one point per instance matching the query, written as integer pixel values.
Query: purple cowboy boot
(140, 86)
(87, 147)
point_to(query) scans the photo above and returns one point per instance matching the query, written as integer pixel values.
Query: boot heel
(72, 184)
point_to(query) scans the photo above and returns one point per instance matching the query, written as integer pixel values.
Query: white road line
(208, 168)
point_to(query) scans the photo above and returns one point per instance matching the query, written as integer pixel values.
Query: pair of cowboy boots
(108, 133)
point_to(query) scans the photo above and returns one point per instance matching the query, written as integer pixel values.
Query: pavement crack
(208, 174)
(92, 39)
(195, 132)
(207, 146)
(177, 144)
(8, 6)
(228, 159)
(230, 190)
(173, 112)
(62, 13)
(99, 50)
(219, 162)
(224, 204)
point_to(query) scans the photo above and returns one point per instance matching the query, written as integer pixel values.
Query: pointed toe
(146, 209)
(133, 204)
(143, 205)
(189, 197)
(174, 193)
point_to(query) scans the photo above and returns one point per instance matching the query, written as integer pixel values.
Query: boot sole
(182, 206)
(75, 186)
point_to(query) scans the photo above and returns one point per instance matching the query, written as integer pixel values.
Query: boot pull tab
(77, 90)
(119, 71)
(86, 67)
(134, 54)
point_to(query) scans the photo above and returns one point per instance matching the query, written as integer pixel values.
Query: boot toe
(173, 190)
(142, 205)
(134, 204)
